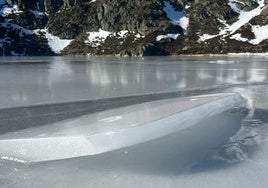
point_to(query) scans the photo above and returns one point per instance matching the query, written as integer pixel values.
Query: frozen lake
(35, 91)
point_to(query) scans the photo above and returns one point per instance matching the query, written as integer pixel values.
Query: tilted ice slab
(113, 129)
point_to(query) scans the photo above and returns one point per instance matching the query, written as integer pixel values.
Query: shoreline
(225, 55)
(246, 54)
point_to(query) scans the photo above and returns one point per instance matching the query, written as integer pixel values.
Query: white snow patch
(261, 33)
(239, 38)
(161, 37)
(37, 13)
(205, 37)
(176, 17)
(232, 4)
(55, 43)
(93, 1)
(244, 18)
(96, 38)
(10, 10)
(138, 35)
(184, 23)
(122, 34)
(187, 7)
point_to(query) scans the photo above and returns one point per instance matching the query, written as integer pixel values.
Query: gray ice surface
(220, 151)
(30, 81)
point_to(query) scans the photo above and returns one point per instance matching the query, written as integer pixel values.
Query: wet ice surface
(231, 154)
(26, 81)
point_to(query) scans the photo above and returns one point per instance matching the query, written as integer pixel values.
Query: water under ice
(220, 151)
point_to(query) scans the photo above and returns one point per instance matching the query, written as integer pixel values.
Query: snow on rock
(138, 36)
(96, 38)
(205, 37)
(173, 36)
(261, 34)
(122, 34)
(239, 37)
(55, 43)
(232, 4)
(10, 10)
(37, 13)
(176, 17)
(244, 18)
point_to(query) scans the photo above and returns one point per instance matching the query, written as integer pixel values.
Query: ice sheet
(28, 81)
(114, 129)
(166, 162)
(151, 164)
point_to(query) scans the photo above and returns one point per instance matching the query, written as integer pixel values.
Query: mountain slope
(132, 28)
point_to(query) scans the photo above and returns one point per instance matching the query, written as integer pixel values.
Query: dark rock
(73, 19)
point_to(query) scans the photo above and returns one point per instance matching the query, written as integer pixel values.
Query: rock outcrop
(132, 28)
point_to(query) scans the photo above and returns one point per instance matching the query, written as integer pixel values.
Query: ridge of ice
(13, 159)
(53, 147)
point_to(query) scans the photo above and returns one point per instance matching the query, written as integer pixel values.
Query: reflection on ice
(257, 75)
(64, 79)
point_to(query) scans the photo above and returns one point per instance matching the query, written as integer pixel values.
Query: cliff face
(132, 28)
